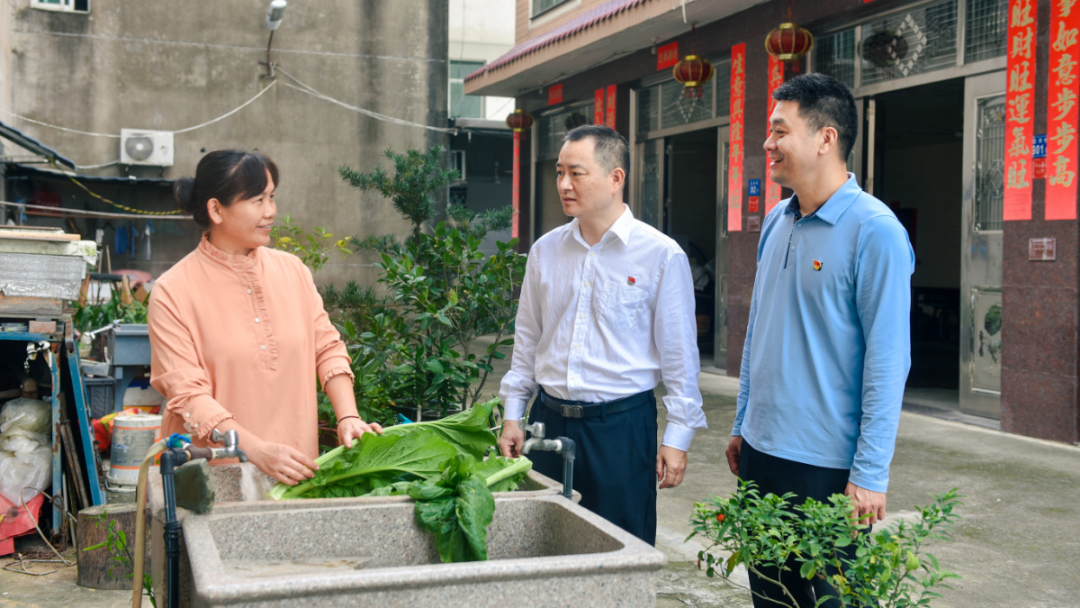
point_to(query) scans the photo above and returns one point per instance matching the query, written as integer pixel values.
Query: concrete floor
(1017, 545)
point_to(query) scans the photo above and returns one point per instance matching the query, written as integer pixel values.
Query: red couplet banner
(735, 137)
(609, 120)
(776, 78)
(598, 107)
(1020, 110)
(1061, 115)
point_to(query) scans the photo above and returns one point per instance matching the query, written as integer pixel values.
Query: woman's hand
(285, 464)
(353, 428)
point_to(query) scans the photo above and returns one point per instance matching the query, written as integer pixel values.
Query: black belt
(582, 409)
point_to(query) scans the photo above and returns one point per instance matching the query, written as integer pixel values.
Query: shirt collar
(621, 228)
(209, 250)
(837, 204)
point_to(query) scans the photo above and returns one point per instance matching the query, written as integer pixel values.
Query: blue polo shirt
(827, 349)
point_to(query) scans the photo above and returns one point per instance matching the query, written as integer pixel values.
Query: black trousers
(615, 466)
(780, 476)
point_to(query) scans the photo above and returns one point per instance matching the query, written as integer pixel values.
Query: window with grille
(542, 6)
(909, 43)
(834, 55)
(553, 128)
(990, 164)
(986, 29)
(662, 106)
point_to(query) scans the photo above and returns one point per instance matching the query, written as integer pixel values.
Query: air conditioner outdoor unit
(149, 148)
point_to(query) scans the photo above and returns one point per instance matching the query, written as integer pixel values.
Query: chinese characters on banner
(598, 107)
(776, 78)
(1019, 110)
(1061, 115)
(554, 94)
(735, 137)
(609, 122)
(667, 56)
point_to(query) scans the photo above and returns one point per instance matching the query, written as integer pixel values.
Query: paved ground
(1017, 545)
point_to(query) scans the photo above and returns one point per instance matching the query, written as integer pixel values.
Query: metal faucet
(231, 441)
(561, 445)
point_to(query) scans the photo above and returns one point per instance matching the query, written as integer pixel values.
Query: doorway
(681, 196)
(918, 172)
(936, 159)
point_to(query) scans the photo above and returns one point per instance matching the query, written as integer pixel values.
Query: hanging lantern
(520, 121)
(789, 42)
(693, 72)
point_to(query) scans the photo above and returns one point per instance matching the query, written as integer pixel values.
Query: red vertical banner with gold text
(598, 107)
(1062, 111)
(1020, 110)
(776, 78)
(609, 112)
(735, 137)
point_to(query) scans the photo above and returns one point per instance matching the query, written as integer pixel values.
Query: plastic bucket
(132, 436)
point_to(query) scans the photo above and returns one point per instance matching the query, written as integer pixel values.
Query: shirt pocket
(622, 305)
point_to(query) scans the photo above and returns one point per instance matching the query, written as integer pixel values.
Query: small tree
(886, 568)
(442, 291)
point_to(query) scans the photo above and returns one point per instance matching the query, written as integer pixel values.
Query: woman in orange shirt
(238, 332)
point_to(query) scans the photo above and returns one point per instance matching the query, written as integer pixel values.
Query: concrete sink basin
(544, 550)
(239, 486)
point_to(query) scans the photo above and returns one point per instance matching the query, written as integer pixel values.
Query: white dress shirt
(600, 323)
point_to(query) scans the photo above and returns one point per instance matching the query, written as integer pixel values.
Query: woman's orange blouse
(242, 337)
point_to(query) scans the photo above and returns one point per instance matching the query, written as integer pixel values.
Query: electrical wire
(79, 213)
(115, 136)
(21, 561)
(304, 88)
(118, 205)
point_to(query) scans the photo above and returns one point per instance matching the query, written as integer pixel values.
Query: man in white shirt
(606, 313)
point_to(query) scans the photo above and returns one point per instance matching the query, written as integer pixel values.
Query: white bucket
(132, 437)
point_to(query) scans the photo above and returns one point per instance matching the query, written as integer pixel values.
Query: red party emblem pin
(630, 280)
(817, 265)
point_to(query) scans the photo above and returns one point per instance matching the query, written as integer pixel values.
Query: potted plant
(888, 567)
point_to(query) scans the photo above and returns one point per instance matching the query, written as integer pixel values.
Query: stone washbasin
(239, 486)
(544, 551)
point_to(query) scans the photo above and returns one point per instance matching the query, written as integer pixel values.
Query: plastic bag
(27, 415)
(22, 442)
(32, 470)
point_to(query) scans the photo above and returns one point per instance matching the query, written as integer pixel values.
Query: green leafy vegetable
(468, 431)
(379, 460)
(457, 507)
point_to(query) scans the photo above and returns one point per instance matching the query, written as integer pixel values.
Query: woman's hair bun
(184, 192)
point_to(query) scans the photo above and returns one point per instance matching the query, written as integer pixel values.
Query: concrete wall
(163, 65)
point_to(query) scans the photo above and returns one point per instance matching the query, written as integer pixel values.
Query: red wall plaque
(598, 107)
(555, 94)
(667, 56)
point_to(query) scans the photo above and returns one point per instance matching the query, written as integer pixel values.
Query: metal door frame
(720, 276)
(981, 402)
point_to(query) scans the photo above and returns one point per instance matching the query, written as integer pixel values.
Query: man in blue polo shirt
(827, 348)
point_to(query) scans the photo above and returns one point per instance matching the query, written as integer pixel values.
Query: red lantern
(520, 121)
(693, 72)
(789, 42)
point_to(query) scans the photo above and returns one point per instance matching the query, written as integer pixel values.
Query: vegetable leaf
(379, 460)
(468, 431)
(457, 507)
